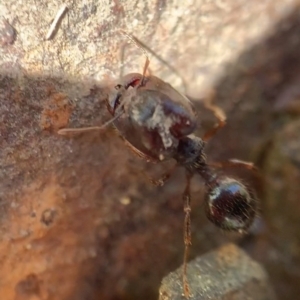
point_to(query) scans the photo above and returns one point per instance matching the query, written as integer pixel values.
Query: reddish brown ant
(157, 122)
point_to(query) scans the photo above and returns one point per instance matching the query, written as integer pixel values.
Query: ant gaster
(157, 122)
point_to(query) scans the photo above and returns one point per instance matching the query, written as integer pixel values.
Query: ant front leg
(218, 113)
(187, 232)
(68, 131)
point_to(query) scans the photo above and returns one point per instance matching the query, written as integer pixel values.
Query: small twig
(56, 22)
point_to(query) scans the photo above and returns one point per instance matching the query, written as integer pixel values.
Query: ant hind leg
(187, 232)
(234, 163)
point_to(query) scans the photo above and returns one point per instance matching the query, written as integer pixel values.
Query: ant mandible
(157, 123)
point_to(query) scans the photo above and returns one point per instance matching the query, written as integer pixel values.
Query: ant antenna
(66, 131)
(148, 49)
(134, 41)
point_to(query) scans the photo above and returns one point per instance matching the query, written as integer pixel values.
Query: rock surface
(77, 218)
(226, 273)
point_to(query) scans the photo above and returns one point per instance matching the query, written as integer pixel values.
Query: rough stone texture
(227, 273)
(77, 219)
(88, 43)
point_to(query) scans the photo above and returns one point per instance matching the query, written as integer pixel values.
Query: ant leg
(235, 163)
(218, 113)
(187, 232)
(158, 182)
(162, 180)
(67, 131)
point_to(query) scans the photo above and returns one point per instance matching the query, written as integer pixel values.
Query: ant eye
(134, 83)
(118, 86)
(230, 205)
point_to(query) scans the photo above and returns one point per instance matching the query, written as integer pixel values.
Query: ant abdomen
(230, 205)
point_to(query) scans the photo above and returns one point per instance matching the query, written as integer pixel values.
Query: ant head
(129, 80)
(230, 205)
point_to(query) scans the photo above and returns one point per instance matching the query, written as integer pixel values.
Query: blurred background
(78, 220)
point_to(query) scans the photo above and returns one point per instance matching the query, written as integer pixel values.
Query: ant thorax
(190, 153)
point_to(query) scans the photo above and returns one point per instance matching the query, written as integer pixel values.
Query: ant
(157, 123)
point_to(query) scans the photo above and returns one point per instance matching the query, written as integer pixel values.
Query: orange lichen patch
(28, 248)
(56, 113)
(50, 241)
(29, 288)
